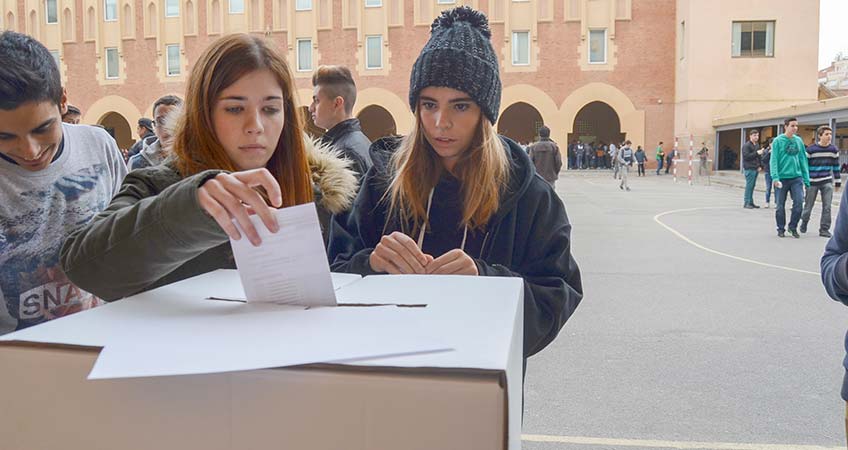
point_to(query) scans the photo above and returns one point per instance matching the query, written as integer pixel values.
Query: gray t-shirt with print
(38, 210)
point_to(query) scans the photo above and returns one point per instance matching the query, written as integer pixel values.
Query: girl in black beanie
(456, 198)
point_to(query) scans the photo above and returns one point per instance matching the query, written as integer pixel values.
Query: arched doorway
(311, 129)
(377, 122)
(520, 122)
(117, 126)
(597, 122)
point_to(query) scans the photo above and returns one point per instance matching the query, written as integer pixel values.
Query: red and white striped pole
(674, 159)
(690, 159)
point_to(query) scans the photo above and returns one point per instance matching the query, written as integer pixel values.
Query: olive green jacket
(154, 231)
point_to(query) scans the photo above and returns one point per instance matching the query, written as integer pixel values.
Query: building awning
(818, 112)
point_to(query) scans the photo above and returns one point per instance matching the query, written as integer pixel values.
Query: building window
(172, 8)
(597, 46)
(110, 10)
(446, 2)
(303, 5)
(304, 55)
(753, 39)
(111, 63)
(373, 3)
(173, 60)
(52, 11)
(521, 48)
(374, 52)
(236, 6)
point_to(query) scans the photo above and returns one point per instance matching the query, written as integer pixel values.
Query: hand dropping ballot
(290, 266)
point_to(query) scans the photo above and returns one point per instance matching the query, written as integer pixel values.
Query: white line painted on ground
(716, 252)
(688, 445)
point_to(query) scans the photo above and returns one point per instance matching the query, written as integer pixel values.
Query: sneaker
(768, 205)
(621, 187)
(749, 206)
(755, 206)
(628, 189)
(795, 234)
(803, 226)
(825, 234)
(781, 234)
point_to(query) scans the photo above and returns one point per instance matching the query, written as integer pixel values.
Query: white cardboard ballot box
(467, 398)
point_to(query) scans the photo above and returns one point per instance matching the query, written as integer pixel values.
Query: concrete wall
(711, 83)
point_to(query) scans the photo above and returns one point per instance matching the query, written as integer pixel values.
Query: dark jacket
(528, 237)
(834, 271)
(139, 145)
(547, 159)
(154, 231)
(750, 159)
(348, 138)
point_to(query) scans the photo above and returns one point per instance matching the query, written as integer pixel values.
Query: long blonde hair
(195, 144)
(483, 170)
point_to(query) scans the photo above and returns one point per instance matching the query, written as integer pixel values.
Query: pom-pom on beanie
(459, 55)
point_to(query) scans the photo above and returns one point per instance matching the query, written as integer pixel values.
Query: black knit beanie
(459, 55)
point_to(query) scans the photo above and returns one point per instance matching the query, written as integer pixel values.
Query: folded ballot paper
(290, 266)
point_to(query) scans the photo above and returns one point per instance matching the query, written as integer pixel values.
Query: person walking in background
(751, 152)
(824, 170)
(572, 158)
(624, 155)
(669, 159)
(790, 173)
(641, 158)
(765, 163)
(581, 153)
(613, 152)
(546, 157)
(660, 157)
(703, 157)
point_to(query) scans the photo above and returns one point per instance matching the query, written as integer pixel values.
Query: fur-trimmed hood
(334, 182)
(332, 177)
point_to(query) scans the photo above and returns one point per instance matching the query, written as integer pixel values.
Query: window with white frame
(598, 46)
(172, 8)
(173, 65)
(51, 11)
(236, 6)
(111, 63)
(753, 39)
(110, 10)
(373, 3)
(303, 5)
(521, 48)
(304, 55)
(446, 2)
(374, 52)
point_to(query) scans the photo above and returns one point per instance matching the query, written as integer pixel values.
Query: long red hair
(196, 145)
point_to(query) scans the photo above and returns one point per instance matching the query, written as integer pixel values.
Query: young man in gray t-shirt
(54, 177)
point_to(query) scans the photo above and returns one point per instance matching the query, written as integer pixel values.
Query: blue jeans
(795, 188)
(659, 166)
(750, 182)
(769, 182)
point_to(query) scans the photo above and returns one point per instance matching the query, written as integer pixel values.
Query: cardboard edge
(50, 346)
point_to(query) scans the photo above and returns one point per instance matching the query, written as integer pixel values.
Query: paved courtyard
(700, 328)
